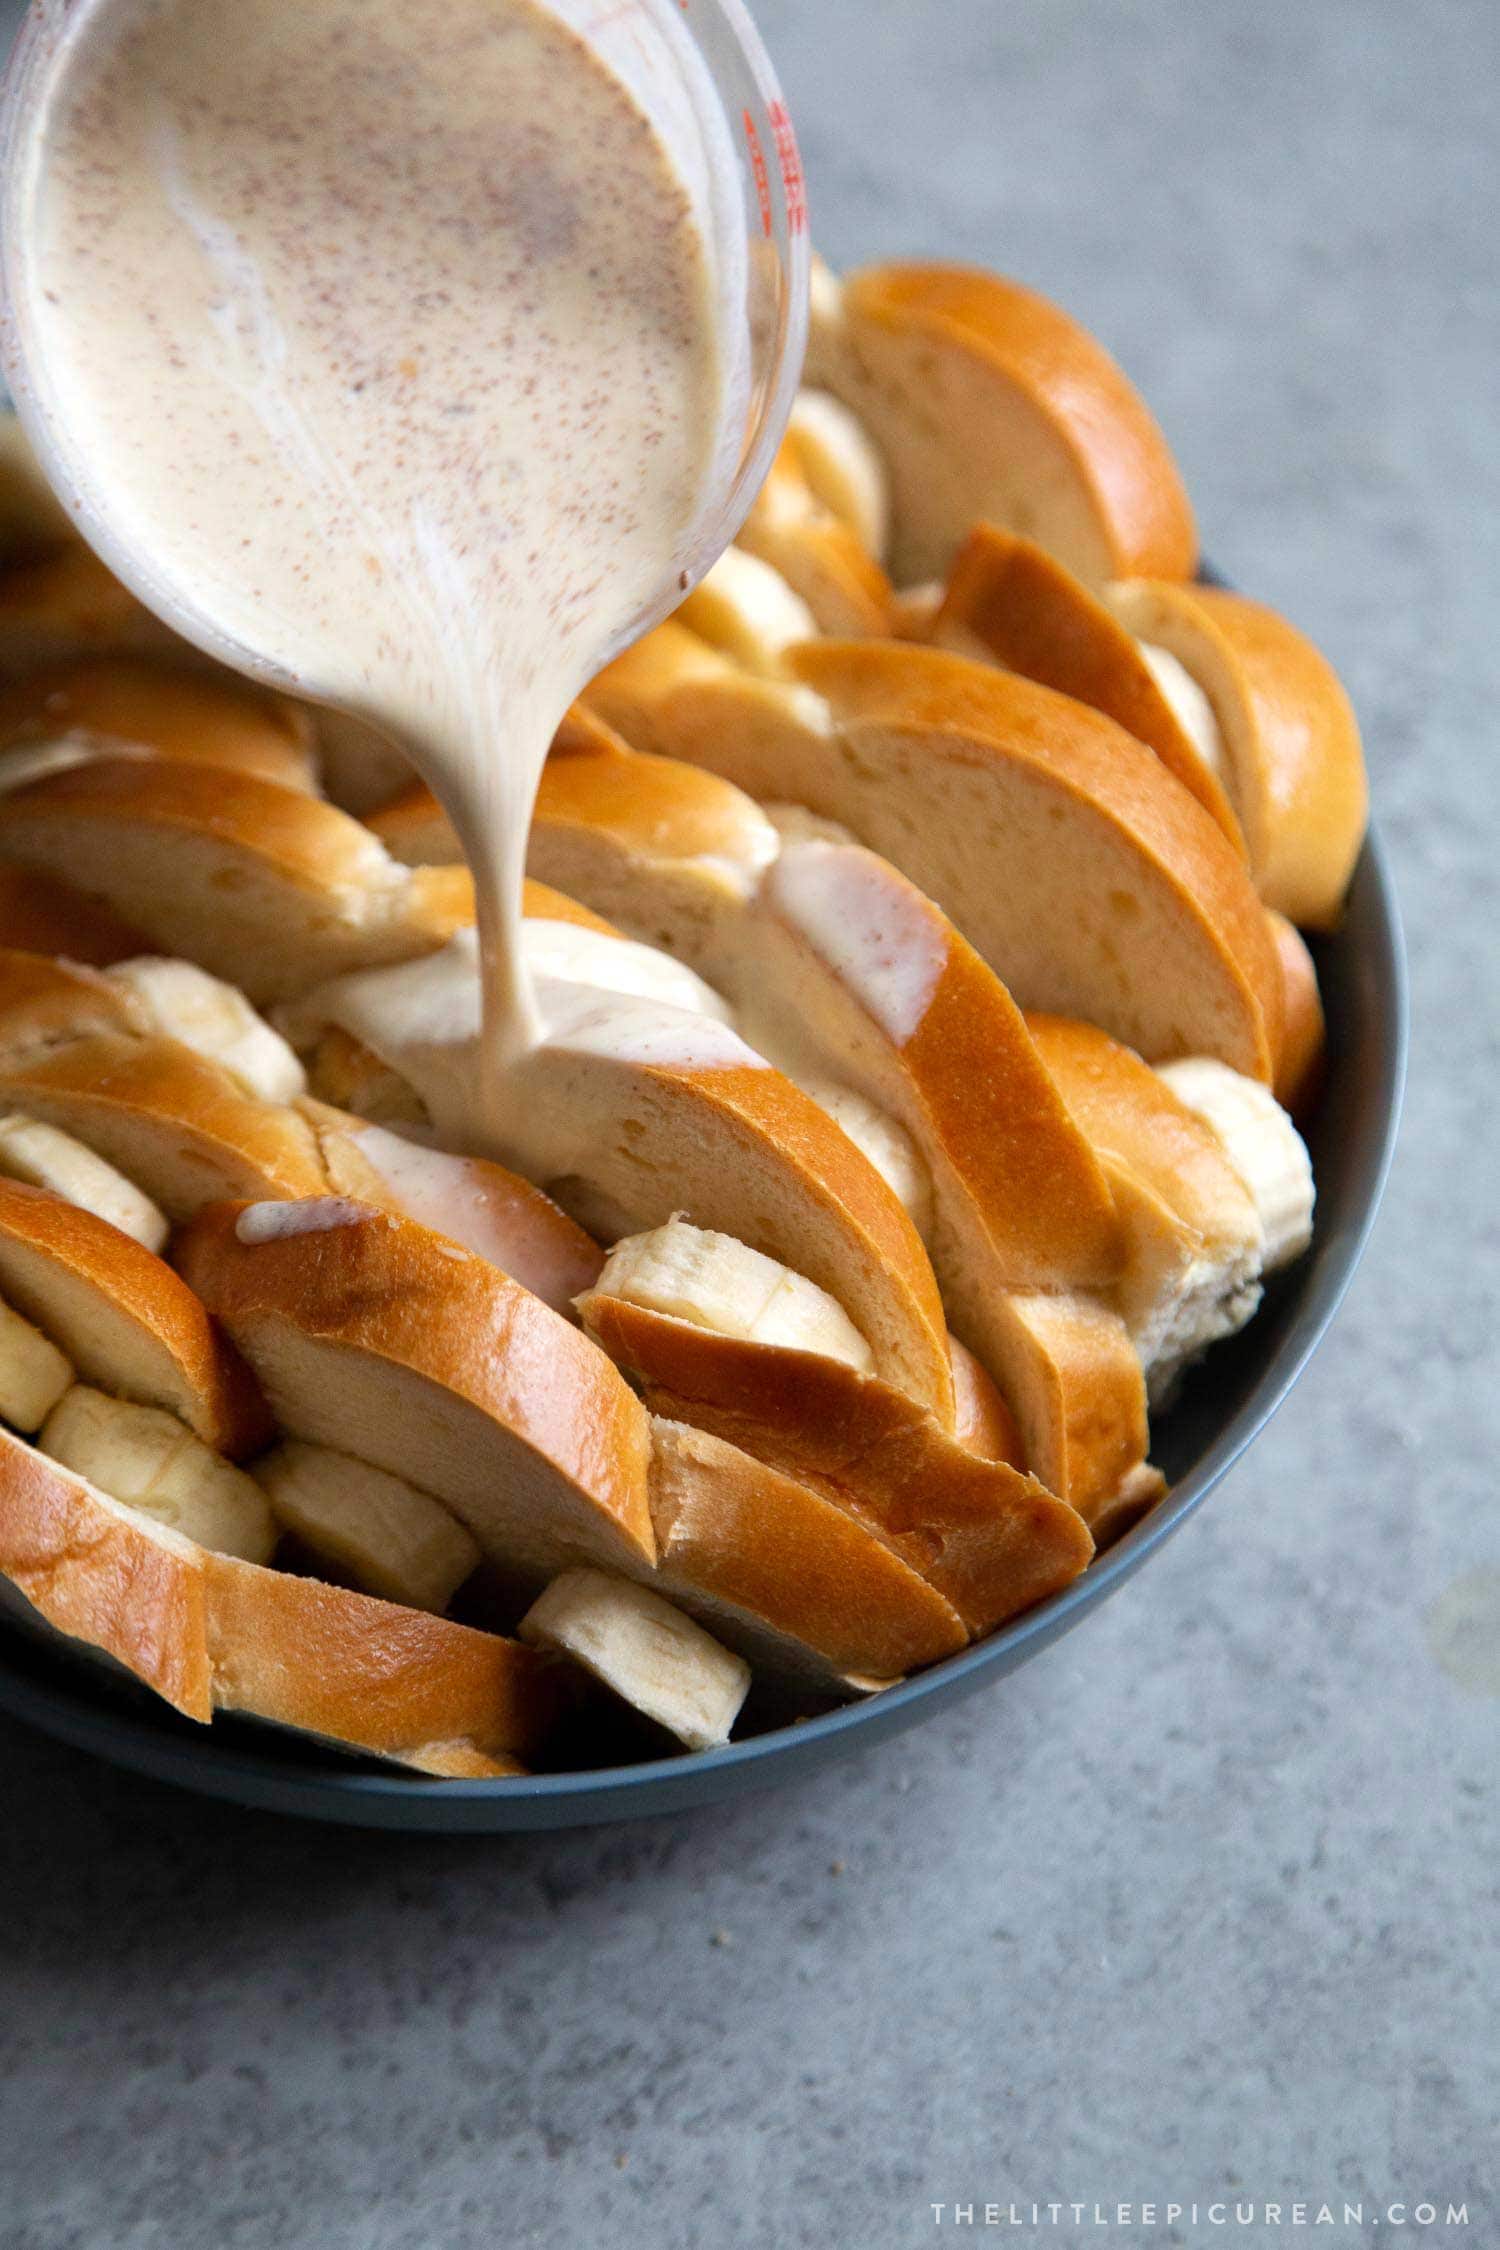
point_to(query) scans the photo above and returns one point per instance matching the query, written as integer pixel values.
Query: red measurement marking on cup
(762, 176)
(791, 169)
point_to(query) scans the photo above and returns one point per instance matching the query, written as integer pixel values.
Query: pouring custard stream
(390, 328)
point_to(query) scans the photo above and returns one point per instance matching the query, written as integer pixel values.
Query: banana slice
(746, 609)
(645, 1651)
(33, 1373)
(148, 1460)
(43, 1156)
(576, 955)
(1190, 707)
(215, 1019)
(716, 1282)
(876, 1134)
(794, 824)
(841, 462)
(1262, 1144)
(391, 1539)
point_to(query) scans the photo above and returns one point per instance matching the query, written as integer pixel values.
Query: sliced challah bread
(1288, 739)
(799, 1587)
(724, 1340)
(208, 1632)
(988, 401)
(1304, 1028)
(63, 605)
(633, 1110)
(1009, 602)
(1195, 1244)
(379, 1339)
(259, 883)
(815, 550)
(42, 914)
(1073, 862)
(83, 1052)
(115, 703)
(124, 1319)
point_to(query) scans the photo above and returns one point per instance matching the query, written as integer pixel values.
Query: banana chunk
(390, 1538)
(33, 1373)
(575, 955)
(877, 1135)
(794, 824)
(1262, 1144)
(148, 1460)
(746, 609)
(215, 1019)
(1190, 707)
(645, 1651)
(43, 1156)
(841, 462)
(716, 1282)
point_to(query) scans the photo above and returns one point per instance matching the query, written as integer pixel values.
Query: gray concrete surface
(1204, 1901)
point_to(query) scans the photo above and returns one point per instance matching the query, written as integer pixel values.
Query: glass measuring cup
(700, 72)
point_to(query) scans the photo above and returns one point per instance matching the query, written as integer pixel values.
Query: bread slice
(1075, 1384)
(991, 1540)
(646, 1652)
(126, 1321)
(43, 914)
(208, 1633)
(1294, 766)
(841, 955)
(179, 1127)
(1195, 1241)
(630, 1111)
(102, 1575)
(184, 1127)
(172, 710)
(982, 1421)
(987, 401)
(1304, 1028)
(1008, 601)
(661, 849)
(378, 1338)
(63, 605)
(33, 520)
(495, 1213)
(807, 1595)
(819, 556)
(263, 885)
(1061, 848)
